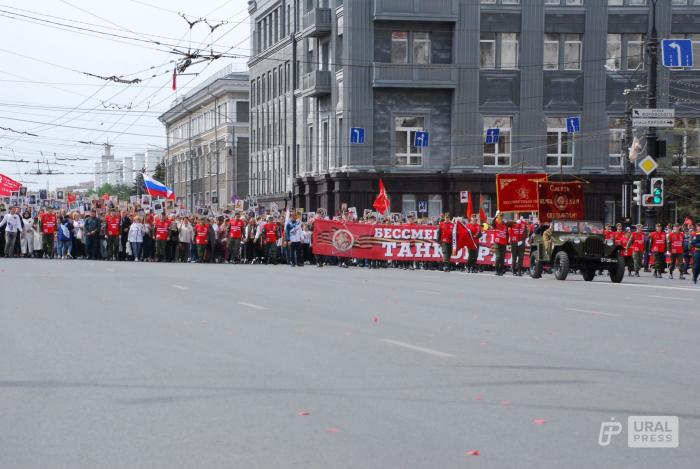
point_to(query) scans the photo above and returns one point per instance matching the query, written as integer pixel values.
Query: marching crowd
(239, 237)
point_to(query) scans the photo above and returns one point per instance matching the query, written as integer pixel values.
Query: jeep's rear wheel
(561, 265)
(535, 266)
(617, 272)
(588, 274)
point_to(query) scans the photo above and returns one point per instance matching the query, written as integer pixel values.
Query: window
(498, 154)
(560, 144)
(617, 134)
(434, 205)
(501, 2)
(408, 203)
(325, 148)
(610, 207)
(399, 47)
(627, 2)
(340, 143)
(499, 50)
(563, 2)
(405, 134)
(614, 52)
(686, 2)
(635, 51)
(551, 51)
(310, 147)
(686, 143)
(421, 48)
(572, 52)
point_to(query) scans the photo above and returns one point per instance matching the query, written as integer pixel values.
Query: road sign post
(422, 139)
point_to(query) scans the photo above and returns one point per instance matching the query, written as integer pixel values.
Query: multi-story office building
(454, 68)
(207, 153)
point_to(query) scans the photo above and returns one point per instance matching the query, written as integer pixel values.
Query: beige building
(207, 141)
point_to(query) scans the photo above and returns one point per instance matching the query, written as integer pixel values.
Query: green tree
(138, 187)
(121, 190)
(159, 173)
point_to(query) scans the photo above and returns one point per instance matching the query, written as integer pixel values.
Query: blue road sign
(422, 139)
(357, 135)
(677, 52)
(492, 136)
(422, 206)
(573, 124)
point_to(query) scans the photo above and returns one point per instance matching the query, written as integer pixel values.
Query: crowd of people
(242, 237)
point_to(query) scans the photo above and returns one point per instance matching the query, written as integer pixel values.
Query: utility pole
(627, 165)
(652, 138)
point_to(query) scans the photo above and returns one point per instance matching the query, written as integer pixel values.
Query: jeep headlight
(609, 242)
(577, 240)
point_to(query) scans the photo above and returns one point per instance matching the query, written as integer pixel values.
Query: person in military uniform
(636, 243)
(675, 246)
(658, 247)
(517, 234)
(445, 236)
(695, 248)
(475, 229)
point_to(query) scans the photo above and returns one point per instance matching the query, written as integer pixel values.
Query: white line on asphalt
(251, 305)
(180, 287)
(418, 349)
(428, 292)
(109, 270)
(596, 313)
(642, 285)
(670, 298)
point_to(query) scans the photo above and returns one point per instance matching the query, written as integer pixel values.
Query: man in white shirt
(13, 226)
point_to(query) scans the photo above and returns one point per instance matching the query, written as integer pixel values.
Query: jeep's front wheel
(561, 265)
(535, 266)
(617, 272)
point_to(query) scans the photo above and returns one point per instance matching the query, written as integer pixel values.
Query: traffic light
(637, 192)
(657, 190)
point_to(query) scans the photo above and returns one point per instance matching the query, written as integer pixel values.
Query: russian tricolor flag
(158, 189)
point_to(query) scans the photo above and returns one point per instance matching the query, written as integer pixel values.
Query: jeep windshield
(579, 227)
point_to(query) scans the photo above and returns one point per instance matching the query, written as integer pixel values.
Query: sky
(44, 89)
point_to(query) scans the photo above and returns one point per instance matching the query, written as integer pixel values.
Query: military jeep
(575, 245)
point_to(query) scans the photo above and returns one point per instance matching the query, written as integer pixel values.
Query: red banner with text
(402, 242)
(561, 201)
(8, 186)
(517, 192)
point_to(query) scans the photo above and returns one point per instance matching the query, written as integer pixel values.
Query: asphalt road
(114, 365)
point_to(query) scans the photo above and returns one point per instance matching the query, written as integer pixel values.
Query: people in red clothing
(658, 248)
(625, 242)
(113, 221)
(500, 241)
(445, 229)
(474, 228)
(201, 232)
(675, 245)
(517, 234)
(608, 232)
(48, 231)
(270, 236)
(162, 225)
(235, 234)
(636, 244)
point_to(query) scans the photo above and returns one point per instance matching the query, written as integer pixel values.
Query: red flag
(175, 79)
(382, 204)
(482, 212)
(8, 186)
(470, 206)
(462, 237)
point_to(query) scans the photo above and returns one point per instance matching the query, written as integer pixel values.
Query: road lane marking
(251, 305)
(180, 287)
(595, 313)
(428, 292)
(109, 270)
(670, 298)
(435, 353)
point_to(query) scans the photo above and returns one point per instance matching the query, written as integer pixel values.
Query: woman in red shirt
(201, 231)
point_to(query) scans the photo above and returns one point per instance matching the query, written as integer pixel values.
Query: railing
(317, 22)
(316, 83)
(423, 76)
(428, 9)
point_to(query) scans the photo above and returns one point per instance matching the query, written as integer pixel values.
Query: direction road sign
(641, 122)
(492, 136)
(677, 52)
(653, 113)
(422, 139)
(648, 165)
(357, 135)
(573, 124)
(422, 206)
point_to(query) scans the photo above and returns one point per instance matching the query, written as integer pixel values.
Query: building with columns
(455, 68)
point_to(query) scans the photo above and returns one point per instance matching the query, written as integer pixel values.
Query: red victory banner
(517, 192)
(8, 186)
(561, 201)
(391, 243)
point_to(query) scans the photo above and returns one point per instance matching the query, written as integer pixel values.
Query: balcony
(316, 83)
(416, 10)
(316, 22)
(413, 76)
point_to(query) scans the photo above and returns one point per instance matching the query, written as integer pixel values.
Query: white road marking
(670, 298)
(428, 292)
(109, 270)
(595, 313)
(180, 287)
(417, 349)
(251, 305)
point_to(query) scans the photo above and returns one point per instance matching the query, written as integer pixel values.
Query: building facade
(455, 68)
(207, 142)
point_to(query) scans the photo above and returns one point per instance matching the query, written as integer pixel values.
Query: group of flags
(382, 204)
